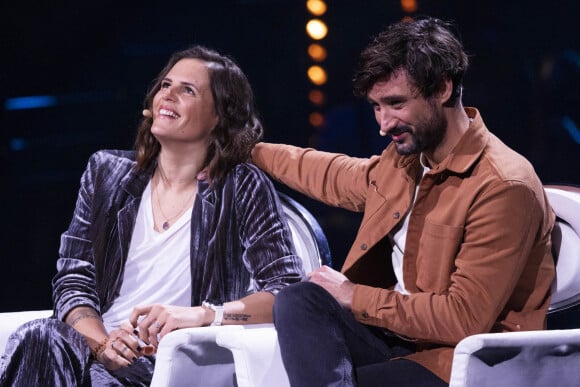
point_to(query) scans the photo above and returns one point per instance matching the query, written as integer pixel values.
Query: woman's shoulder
(110, 165)
(245, 177)
(247, 168)
(248, 171)
(113, 158)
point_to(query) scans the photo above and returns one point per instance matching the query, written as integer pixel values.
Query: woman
(161, 237)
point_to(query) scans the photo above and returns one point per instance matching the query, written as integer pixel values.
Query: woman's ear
(216, 120)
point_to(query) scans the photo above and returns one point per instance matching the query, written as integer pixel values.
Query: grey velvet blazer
(239, 236)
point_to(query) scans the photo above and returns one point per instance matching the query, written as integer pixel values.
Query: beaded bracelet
(99, 349)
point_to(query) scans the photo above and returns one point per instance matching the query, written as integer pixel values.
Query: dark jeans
(323, 345)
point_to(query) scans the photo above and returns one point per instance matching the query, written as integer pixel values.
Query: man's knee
(301, 298)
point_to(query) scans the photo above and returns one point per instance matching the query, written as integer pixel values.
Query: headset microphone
(147, 113)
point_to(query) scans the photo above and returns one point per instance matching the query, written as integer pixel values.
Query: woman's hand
(116, 349)
(160, 319)
(121, 350)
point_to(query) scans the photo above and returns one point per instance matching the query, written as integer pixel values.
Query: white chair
(535, 358)
(175, 353)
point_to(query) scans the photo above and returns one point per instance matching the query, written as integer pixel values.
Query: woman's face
(183, 108)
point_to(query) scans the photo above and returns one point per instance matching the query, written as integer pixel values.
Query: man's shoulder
(498, 158)
(508, 164)
(502, 169)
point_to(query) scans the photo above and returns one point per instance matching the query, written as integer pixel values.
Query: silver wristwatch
(219, 312)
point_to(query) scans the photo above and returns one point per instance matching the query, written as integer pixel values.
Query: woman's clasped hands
(123, 348)
(147, 325)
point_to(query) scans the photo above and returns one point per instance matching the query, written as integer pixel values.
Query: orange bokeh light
(316, 29)
(316, 119)
(316, 97)
(317, 52)
(316, 7)
(409, 5)
(317, 75)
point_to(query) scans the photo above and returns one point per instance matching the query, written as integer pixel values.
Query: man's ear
(445, 92)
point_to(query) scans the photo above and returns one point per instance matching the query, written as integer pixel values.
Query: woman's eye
(165, 85)
(189, 90)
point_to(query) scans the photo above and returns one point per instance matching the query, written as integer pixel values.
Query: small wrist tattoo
(236, 317)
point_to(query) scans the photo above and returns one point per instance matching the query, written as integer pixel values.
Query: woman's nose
(167, 93)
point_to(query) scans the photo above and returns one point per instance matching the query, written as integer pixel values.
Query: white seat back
(309, 239)
(565, 201)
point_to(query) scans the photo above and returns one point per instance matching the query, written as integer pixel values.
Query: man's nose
(386, 122)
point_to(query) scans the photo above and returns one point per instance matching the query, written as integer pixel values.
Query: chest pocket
(438, 247)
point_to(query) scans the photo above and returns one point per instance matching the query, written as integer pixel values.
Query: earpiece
(147, 113)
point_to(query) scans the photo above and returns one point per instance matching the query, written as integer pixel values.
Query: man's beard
(427, 136)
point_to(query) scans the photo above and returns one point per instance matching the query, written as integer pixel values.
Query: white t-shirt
(399, 238)
(157, 268)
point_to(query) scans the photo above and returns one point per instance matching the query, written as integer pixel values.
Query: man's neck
(457, 124)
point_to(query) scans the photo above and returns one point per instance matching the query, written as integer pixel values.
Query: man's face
(414, 123)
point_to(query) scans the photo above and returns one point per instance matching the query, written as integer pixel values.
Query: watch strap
(218, 310)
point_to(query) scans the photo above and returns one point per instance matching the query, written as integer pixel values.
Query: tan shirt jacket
(478, 250)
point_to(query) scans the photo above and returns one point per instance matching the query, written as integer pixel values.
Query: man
(455, 238)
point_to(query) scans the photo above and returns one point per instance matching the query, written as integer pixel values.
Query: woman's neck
(176, 171)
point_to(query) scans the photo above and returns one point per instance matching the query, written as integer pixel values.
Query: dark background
(97, 61)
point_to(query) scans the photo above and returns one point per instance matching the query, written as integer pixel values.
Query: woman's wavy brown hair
(238, 128)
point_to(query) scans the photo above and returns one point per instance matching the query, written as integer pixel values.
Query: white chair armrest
(532, 358)
(9, 321)
(257, 358)
(190, 357)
